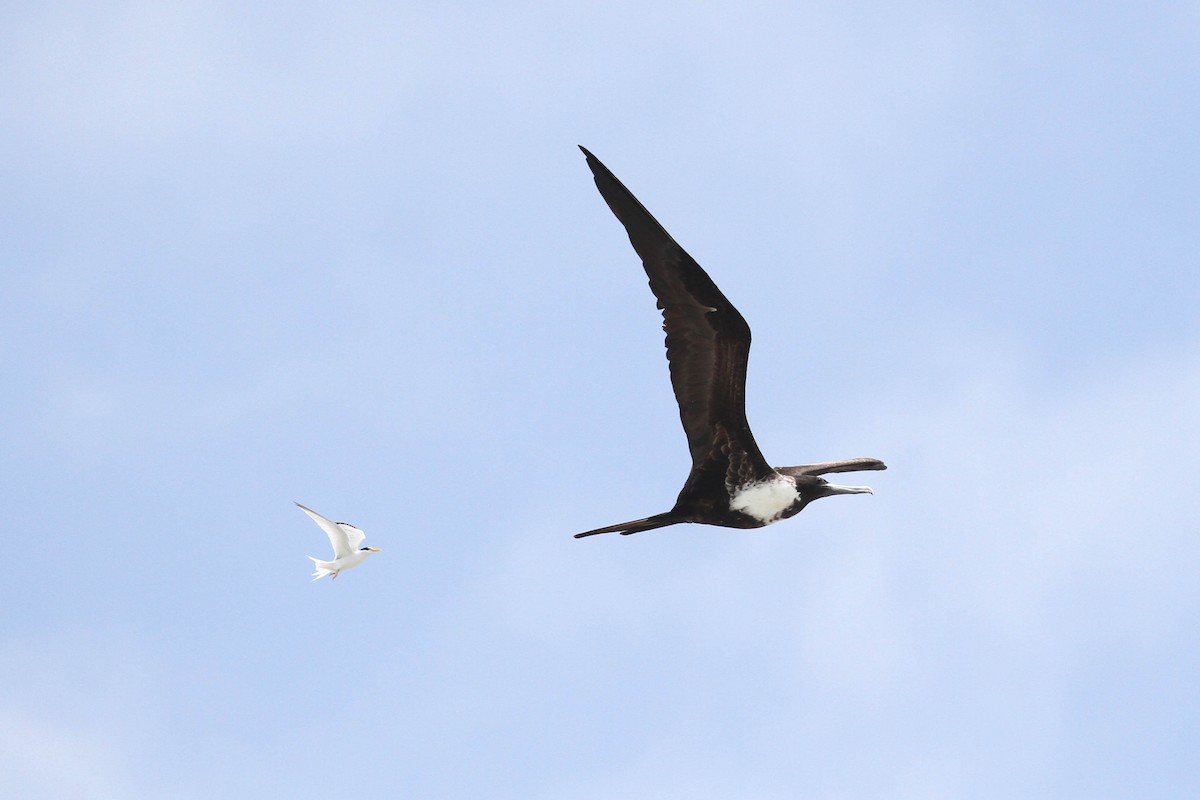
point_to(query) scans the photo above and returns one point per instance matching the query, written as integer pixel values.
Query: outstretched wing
(826, 467)
(708, 345)
(354, 536)
(344, 537)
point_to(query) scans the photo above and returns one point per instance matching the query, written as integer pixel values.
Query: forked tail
(637, 525)
(321, 571)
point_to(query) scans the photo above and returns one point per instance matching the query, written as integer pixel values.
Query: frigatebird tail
(637, 525)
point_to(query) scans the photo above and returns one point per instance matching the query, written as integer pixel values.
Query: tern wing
(344, 537)
(353, 535)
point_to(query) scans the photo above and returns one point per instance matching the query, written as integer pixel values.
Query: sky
(350, 256)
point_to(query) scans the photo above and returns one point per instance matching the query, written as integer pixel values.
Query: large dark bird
(708, 343)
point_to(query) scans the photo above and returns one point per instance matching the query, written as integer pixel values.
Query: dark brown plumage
(708, 345)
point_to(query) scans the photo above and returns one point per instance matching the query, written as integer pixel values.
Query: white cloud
(946, 624)
(38, 759)
(73, 720)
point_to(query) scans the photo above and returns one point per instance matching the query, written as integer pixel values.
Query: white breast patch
(765, 500)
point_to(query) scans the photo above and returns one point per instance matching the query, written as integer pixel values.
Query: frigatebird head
(812, 487)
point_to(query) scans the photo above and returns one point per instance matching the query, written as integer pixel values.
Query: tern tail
(322, 569)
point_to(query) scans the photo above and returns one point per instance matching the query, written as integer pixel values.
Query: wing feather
(344, 537)
(707, 341)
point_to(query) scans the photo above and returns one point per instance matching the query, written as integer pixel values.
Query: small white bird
(346, 540)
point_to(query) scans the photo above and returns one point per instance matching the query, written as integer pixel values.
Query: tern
(708, 344)
(347, 546)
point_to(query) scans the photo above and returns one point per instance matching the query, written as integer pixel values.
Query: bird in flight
(708, 343)
(346, 539)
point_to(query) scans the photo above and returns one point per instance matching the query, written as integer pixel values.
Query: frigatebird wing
(708, 344)
(826, 467)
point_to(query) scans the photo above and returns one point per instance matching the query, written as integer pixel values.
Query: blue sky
(352, 257)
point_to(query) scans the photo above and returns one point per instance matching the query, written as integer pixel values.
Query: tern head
(370, 549)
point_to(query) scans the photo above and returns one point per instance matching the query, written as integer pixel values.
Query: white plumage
(766, 500)
(347, 546)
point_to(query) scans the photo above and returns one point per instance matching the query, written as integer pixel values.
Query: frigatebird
(708, 344)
